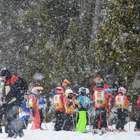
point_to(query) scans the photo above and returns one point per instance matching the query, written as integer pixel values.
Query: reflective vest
(58, 102)
(100, 99)
(120, 102)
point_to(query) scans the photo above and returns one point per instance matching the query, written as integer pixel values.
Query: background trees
(71, 39)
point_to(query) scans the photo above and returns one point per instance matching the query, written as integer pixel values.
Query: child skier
(121, 102)
(33, 104)
(101, 100)
(24, 112)
(70, 104)
(59, 108)
(137, 126)
(84, 102)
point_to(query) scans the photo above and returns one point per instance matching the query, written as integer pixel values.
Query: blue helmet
(108, 90)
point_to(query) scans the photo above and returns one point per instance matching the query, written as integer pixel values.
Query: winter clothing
(138, 102)
(69, 122)
(70, 103)
(3, 112)
(100, 97)
(101, 100)
(59, 108)
(24, 111)
(12, 99)
(137, 126)
(100, 118)
(84, 102)
(82, 121)
(121, 102)
(33, 104)
(41, 108)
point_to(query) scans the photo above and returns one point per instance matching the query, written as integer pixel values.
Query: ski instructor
(12, 95)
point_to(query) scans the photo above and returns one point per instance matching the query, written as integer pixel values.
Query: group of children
(73, 108)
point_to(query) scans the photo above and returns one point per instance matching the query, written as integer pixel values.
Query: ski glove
(76, 105)
(71, 103)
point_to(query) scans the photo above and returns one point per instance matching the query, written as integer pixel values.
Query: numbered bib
(57, 99)
(119, 100)
(99, 97)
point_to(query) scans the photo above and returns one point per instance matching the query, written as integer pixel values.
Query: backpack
(23, 87)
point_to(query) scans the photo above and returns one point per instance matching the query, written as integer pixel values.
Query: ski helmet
(108, 90)
(95, 79)
(82, 90)
(59, 90)
(75, 88)
(67, 92)
(5, 72)
(122, 90)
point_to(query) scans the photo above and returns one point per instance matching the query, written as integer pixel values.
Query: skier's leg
(104, 121)
(81, 122)
(96, 120)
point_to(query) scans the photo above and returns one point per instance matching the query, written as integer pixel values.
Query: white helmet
(67, 92)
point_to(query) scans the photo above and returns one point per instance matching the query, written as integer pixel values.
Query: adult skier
(12, 99)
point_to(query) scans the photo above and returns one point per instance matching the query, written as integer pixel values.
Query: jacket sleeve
(62, 100)
(14, 91)
(138, 103)
(126, 101)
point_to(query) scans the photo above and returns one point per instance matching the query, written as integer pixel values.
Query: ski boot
(94, 131)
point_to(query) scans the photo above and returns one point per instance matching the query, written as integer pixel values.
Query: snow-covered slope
(50, 134)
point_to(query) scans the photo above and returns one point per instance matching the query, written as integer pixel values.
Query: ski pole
(89, 120)
(114, 115)
(73, 123)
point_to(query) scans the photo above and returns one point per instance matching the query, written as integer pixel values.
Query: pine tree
(117, 42)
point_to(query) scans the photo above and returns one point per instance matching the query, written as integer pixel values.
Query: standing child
(69, 103)
(101, 99)
(33, 104)
(137, 126)
(25, 112)
(84, 102)
(121, 102)
(59, 108)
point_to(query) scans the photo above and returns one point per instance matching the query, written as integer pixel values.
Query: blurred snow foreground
(50, 134)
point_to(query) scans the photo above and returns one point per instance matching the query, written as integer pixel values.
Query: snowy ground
(50, 134)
